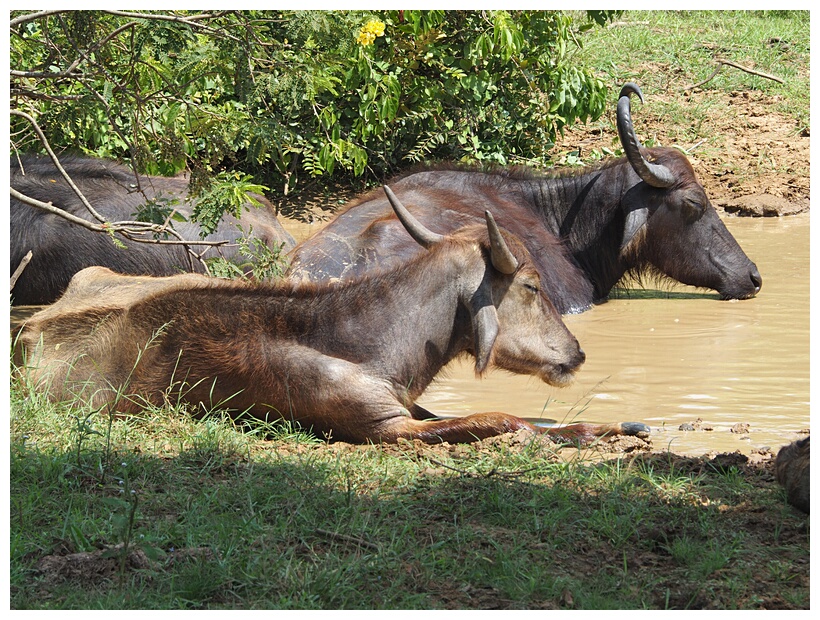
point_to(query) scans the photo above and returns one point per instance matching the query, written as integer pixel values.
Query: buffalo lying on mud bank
(643, 214)
(61, 248)
(347, 359)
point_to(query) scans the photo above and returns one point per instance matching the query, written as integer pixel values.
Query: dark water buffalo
(643, 214)
(793, 470)
(346, 359)
(61, 248)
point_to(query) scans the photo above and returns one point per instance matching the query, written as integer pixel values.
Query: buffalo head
(514, 325)
(671, 222)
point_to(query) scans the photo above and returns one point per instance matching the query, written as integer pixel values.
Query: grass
(247, 516)
(667, 51)
(294, 523)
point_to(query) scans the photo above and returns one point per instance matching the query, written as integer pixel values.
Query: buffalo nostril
(578, 359)
(757, 281)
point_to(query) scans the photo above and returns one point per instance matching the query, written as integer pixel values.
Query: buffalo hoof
(584, 433)
(634, 428)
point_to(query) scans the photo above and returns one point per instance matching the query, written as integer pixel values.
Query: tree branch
(56, 162)
(30, 17)
(721, 62)
(19, 270)
(128, 229)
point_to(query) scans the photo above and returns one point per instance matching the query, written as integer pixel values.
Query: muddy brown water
(675, 356)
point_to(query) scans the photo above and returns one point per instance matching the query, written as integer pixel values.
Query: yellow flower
(372, 29)
(365, 38)
(376, 27)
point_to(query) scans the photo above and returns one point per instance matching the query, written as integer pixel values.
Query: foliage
(263, 262)
(287, 96)
(230, 191)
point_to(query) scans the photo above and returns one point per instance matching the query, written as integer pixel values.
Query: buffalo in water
(643, 214)
(61, 248)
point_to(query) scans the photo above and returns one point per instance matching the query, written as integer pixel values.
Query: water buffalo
(61, 248)
(793, 470)
(347, 359)
(644, 214)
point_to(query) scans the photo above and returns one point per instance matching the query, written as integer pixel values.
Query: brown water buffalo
(793, 471)
(61, 248)
(347, 359)
(644, 214)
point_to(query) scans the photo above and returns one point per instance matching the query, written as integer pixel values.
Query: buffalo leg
(481, 425)
(453, 430)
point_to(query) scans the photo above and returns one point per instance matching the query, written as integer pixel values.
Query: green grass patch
(231, 516)
(671, 50)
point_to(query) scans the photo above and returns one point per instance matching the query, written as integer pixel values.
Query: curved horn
(653, 174)
(502, 258)
(424, 237)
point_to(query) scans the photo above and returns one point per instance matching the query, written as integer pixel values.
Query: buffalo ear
(635, 220)
(485, 326)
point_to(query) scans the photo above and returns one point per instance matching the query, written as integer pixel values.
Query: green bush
(286, 96)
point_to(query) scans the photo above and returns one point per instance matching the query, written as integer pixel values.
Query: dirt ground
(756, 164)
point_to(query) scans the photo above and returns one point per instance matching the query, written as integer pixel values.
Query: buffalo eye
(532, 288)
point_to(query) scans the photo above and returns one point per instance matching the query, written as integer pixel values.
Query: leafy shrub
(287, 96)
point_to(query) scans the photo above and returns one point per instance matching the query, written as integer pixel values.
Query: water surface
(679, 355)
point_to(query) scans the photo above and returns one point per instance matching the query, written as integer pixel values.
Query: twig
(695, 145)
(492, 472)
(20, 268)
(346, 538)
(126, 228)
(53, 156)
(723, 61)
(28, 17)
(455, 469)
(624, 24)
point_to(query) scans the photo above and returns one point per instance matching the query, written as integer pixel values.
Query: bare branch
(30, 17)
(43, 74)
(129, 229)
(56, 161)
(47, 206)
(187, 20)
(19, 270)
(721, 62)
(752, 71)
